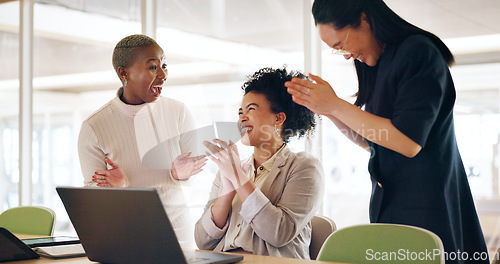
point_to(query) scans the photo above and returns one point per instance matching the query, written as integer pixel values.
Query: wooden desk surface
(27, 236)
(248, 259)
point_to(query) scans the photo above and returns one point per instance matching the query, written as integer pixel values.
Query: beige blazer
(289, 197)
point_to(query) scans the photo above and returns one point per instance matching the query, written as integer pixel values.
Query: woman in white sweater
(139, 139)
(265, 204)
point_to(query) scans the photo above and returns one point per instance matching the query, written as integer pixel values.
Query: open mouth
(359, 58)
(156, 90)
(246, 129)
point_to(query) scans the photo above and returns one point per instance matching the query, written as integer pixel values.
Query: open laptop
(11, 248)
(128, 226)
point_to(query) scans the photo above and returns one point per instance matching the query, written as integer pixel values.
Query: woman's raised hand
(318, 96)
(185, 166)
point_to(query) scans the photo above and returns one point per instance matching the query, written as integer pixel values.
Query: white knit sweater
(142, 140)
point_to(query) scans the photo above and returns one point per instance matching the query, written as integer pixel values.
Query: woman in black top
(407, 123)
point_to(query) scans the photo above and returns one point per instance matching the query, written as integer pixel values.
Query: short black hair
(126, 48)
(270, 82)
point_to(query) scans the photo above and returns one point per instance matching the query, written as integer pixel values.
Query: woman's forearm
(245, 190)
(377, 129)
(349, 133)
(320, 98)
(221, 208)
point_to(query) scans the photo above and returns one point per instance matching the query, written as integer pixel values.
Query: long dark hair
(389, 29)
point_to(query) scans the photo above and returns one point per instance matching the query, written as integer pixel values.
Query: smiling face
(145, 76)
(257, 121)
(360, 42)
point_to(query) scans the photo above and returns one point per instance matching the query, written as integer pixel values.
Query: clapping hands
(226, 157)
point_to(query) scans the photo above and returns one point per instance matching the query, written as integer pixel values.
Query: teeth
(246, 129)
(156, 89)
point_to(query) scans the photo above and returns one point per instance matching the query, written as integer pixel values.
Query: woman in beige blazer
(264, 205)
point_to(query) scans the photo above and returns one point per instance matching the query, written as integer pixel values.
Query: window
(9, 106)
(211, 46)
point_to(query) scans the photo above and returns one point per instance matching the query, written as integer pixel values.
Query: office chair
(34, 220)
(383, 243)
(322, 227)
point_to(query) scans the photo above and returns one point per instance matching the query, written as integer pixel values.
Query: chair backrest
(322, 227)
(496, 257)
(36, 220)
(383, 243)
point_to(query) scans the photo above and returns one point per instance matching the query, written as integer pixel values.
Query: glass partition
(72, 44)
(9, 105)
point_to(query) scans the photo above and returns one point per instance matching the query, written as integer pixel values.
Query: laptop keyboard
(195, 260)
(61, 251)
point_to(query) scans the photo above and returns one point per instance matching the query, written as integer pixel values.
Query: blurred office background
(211, 46)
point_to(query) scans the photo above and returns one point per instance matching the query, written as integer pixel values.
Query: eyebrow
(153, 60)
(248, 105)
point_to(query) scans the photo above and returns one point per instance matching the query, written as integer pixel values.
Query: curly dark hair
(270, 82)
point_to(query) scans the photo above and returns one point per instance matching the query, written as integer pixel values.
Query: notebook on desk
(128, 226)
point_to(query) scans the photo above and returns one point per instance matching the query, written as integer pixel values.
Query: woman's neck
(265, 151)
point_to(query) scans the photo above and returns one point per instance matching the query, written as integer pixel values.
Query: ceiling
(211, 40)
(275, 23)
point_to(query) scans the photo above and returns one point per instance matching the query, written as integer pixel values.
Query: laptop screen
(11, 248)
(124, 226)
